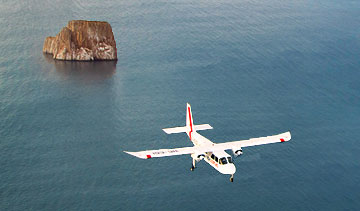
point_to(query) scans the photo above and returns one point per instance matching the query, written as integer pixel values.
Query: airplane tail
(189, 119)
(190, 127)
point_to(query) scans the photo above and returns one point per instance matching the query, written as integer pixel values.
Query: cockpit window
(216, 159)
(213, 156)
(230, 160)
(223, 161)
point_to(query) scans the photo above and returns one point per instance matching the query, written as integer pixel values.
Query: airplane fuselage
(220, 160)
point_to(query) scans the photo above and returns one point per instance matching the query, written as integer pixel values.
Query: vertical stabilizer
(189, 120)
(189, 127)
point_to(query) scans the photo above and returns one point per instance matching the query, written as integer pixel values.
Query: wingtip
(289, 133)
(166, 130)
(127, 152)
(130, 153)
(135, 154)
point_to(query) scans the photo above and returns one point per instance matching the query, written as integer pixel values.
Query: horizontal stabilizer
(203, 127)
(185, 129)
(175, 130)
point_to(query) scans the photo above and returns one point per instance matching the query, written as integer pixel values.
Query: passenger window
(216, 159)
(230, 160)
(223, 161)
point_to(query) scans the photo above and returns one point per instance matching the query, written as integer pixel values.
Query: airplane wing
(283, 137)
(162, 152)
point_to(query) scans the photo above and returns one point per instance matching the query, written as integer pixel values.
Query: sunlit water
(249, 68)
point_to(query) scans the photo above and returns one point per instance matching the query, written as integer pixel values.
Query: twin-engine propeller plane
(214, 154)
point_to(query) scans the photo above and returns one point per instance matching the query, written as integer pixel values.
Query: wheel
(232, 178)
(192, 168)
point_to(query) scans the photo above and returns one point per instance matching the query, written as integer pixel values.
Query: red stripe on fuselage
(191, 129)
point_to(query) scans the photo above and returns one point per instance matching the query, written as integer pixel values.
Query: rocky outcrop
(84, 41)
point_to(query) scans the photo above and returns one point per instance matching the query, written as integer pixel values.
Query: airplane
(213, 153)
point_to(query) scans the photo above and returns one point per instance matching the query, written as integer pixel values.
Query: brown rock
(83, 40)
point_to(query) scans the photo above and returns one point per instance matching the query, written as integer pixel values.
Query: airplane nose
(233, 169)
(230, 169)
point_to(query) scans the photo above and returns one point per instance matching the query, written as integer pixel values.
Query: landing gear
(232, 178)
(193, 165)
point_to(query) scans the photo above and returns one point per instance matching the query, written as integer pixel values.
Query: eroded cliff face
(83, 40)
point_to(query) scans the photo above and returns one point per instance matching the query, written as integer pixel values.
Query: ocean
(250, 68)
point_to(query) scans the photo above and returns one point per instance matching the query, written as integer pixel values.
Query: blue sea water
(249, 68)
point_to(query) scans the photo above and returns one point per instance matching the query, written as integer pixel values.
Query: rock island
(84, 41)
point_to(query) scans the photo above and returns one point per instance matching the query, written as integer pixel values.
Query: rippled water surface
(249, 68)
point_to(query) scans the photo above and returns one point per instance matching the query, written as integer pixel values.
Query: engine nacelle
(237, 152)
(198, 156)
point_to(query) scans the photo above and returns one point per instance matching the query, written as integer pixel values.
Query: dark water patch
(87, 70)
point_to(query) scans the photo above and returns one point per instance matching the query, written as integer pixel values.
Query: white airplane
(214, 154)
